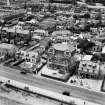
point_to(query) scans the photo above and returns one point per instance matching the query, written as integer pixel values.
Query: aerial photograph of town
(52, 52)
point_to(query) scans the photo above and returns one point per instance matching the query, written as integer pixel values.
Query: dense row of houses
(60, 36)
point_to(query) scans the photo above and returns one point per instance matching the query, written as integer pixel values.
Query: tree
(85, 45)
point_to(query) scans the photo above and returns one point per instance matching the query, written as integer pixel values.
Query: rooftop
(7, 46)
(87, 57)
(61, 32)
(63, 47)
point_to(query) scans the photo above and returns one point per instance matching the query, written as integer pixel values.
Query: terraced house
(7, 49)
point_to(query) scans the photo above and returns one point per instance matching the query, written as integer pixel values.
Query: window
(49, 65)
(32, 60)
(67, 53)
(51, 50)
(27, 55)
(84, 65)
(27, 59)
(93, 71)
(82, 69)
(61, 71)
(66, 69)
(43, 48)
(33, 56)
(94, 67)
(93, 48)
(90, 65)
(87, 70)
(50, 60)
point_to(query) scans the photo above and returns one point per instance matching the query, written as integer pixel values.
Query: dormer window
(67, 53)
(27, 59)
(43, 48)
(89, 65)
(51, 50)
(84, 65)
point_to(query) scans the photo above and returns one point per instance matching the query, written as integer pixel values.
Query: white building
(7, 49)
(88, 68)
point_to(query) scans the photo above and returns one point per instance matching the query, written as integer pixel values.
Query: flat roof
(61, 32)
(22, 31)
(63, 47)
(87, 57)
(10, 30)
(40, 31)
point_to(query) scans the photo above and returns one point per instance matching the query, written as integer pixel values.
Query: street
(53, 85)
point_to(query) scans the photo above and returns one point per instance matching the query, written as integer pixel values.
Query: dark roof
(85, 44)
(44, 42)
(100, 57)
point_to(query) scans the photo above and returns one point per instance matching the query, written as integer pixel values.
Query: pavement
(28, 99)
(56, 86)
(35, 99)
(86, 83)
(54, 74)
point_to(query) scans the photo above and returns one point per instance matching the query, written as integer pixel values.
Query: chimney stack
(8, 3)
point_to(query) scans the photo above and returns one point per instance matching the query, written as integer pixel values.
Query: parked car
(66, 93)
(23, 72)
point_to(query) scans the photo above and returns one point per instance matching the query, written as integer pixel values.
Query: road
(53, 85)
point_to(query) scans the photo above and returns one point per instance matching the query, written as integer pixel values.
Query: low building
(23, 35)
(97, 47)
(15, 35)
(7, 49)
(88, 68)
(44, 44)
(61, 36)
(13, 16)
(40, 32)
(11, 35)
(32, 57)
